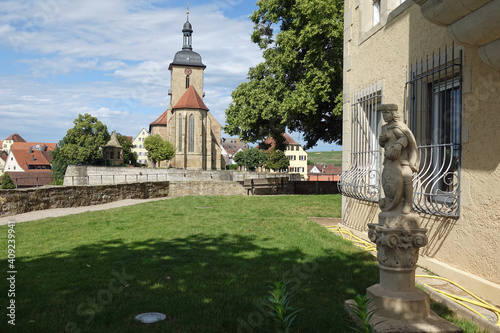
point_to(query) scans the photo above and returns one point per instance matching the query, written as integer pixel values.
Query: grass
(205, 262)
(325, 157)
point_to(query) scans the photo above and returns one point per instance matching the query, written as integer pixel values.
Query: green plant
(281, 311)
(361, 311)
(7, 182)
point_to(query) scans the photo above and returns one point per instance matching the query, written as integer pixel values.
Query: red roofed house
(295, 153)
(187, 122)
(34, 145)
(29, 167)
(7, 143)
(230, 147)
(328, 172)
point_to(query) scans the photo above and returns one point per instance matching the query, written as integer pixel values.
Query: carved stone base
(399, 305)
(432, 324)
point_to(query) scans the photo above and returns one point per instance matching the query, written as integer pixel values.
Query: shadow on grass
(202, 283)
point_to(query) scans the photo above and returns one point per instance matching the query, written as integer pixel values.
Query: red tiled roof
(233, 147)
(162, 120)
(191, 100)
(33, 145)
(16, 138)
(288, 141)
(326, 169)
(31, 178)
(25, 159)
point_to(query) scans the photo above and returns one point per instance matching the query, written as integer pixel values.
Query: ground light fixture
(150, 317)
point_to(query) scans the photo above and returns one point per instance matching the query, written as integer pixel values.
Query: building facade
(295, 154)
(138, 147)
(439, 61)
(187, 122)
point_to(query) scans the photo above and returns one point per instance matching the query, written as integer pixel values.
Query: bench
(275, 182)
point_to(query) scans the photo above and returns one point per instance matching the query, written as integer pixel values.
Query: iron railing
(361, 180)
(433, 112)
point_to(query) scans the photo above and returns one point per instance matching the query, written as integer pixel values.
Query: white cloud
(110, 58)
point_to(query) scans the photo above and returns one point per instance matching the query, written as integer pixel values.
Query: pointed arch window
(180, 133)
(191, 134)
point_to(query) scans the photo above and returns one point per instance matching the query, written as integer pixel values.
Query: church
(187, 122)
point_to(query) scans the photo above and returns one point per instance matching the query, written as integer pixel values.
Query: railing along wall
(361, 180)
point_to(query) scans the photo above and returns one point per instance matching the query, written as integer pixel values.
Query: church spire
(187, 31)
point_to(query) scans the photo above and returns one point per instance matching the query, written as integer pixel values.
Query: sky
(62, 58)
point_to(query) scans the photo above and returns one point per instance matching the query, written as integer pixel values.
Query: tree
(158, 149)
(81, 145)
(129, 157)
(7, 182)
(276, 160)
(250, 158)
(299, 84)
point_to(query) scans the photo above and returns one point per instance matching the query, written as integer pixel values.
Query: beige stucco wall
(381, 54)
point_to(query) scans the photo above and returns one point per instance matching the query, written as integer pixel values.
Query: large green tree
(250, 158)
(299, 85)
(159, 149)
(129, 156)
(276, 160)
(82, 144)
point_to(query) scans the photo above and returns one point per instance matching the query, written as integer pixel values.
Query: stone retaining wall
(26, 200)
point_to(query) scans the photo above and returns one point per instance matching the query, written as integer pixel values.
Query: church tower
(187, 122)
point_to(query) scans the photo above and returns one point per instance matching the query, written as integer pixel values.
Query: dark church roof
(187, 58)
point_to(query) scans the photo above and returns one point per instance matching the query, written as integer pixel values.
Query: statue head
(390, 112)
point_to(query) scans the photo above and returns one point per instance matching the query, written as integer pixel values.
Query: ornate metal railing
(362, 179)
(436, 187)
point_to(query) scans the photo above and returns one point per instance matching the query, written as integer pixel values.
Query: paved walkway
(56, 212)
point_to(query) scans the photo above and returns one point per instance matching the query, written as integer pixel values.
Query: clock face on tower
(188, 71)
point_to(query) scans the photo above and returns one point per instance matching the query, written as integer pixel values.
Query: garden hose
(359, 242)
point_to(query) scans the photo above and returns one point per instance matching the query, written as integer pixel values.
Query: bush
(7, 182)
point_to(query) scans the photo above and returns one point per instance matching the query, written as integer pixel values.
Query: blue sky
(61, 58)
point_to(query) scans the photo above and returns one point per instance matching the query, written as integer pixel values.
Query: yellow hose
(359, 242)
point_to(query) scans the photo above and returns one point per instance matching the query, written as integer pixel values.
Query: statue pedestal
(400, 306)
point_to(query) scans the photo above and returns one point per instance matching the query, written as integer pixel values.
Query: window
(180, 133)
(376, 12)
(434, 114)
(191, 134)
(361, 180)
(187, 81)
(302, 157)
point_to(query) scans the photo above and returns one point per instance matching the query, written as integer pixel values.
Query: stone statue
(399, 306)
(400, 161)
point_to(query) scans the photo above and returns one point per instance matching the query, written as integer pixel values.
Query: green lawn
(205, 262)
(325, 157)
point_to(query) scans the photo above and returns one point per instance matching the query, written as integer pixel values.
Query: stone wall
(97, 175)
(46, 197)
